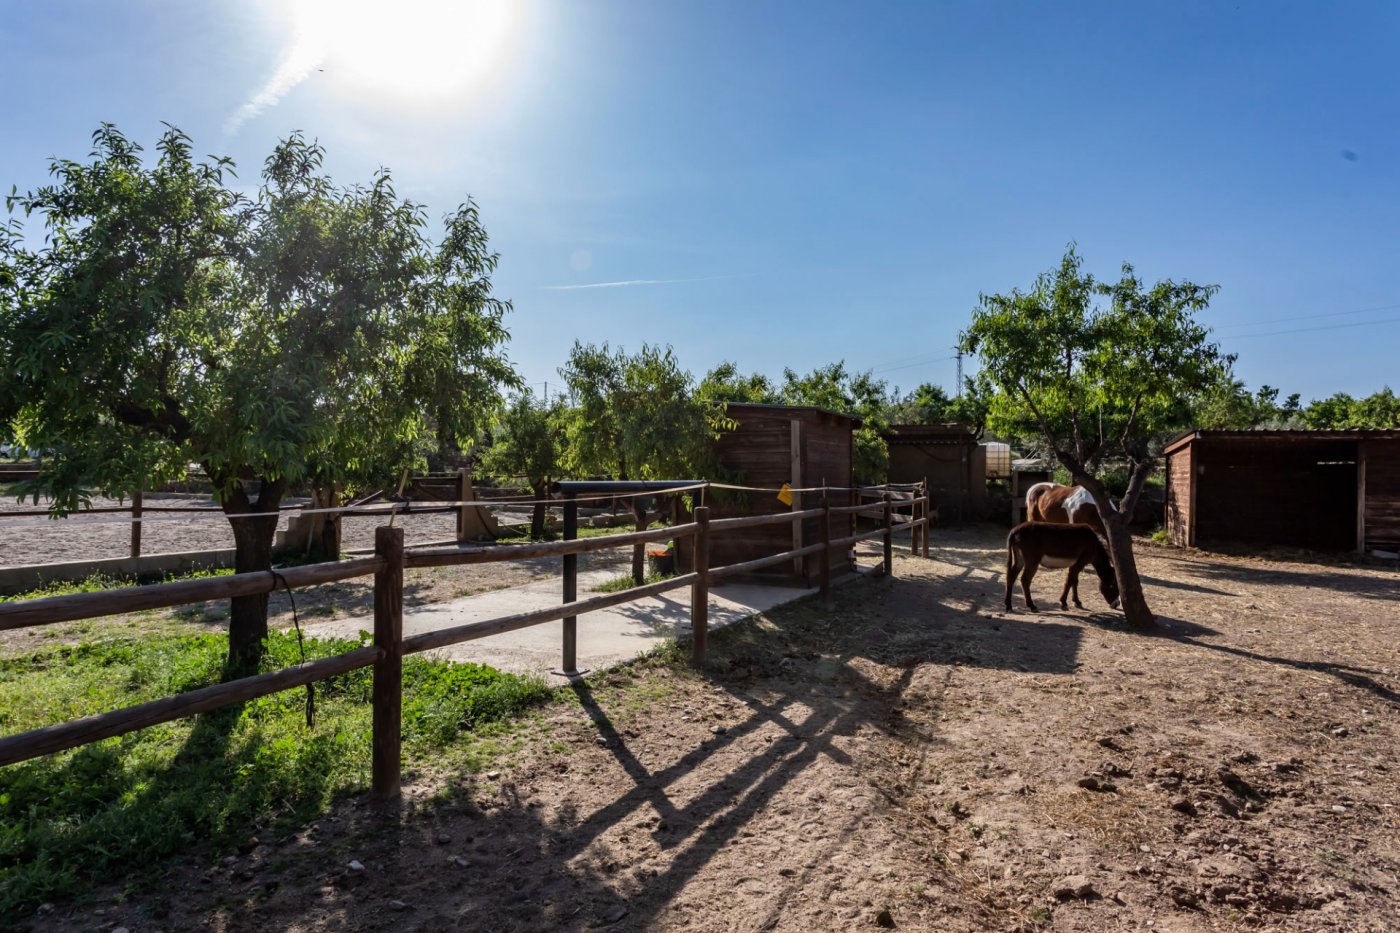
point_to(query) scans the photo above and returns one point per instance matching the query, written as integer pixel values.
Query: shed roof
(950, 433)
(795, 409)
(1285, 436)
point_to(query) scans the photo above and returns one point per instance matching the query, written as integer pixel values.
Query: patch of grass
(97, 582)
(1161, 536)
(80, 818)
(625, 582)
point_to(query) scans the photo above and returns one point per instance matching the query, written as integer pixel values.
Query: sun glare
(408, 49)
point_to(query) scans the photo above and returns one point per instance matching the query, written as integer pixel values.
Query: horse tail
(1033, 513)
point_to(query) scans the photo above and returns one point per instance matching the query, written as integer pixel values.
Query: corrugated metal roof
(1285, 434)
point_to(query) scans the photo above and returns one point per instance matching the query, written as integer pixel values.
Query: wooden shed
(1323, 490)
(949, 457)
(773, 445)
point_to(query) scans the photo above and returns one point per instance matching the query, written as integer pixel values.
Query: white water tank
(998, 459)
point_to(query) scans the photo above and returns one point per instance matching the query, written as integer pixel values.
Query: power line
(1306, 330)
(922, 362)
(1312, 317)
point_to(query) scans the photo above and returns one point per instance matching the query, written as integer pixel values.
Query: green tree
(725, 383)
(1230, 406)
(298, 336)
(859, 395)
(1379, 410)
(529, 442)
(1334, 412)
(638, 416)
(1097, 382)
(930, 404)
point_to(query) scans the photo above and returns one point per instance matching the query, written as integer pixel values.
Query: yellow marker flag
(785, 494)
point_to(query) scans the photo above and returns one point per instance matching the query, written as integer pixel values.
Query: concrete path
(605, 636)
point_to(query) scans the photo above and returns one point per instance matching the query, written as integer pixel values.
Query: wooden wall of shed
(1382, 495)
(761, 451)
(1178, 497)
(956, 473)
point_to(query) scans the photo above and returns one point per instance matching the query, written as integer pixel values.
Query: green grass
(625, 582)
(124, 807)
(98, 582)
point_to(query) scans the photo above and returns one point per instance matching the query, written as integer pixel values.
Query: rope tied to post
(301, 647)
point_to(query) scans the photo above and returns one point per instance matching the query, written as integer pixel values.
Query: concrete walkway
(605, 636)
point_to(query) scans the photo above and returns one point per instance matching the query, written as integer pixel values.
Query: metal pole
(700, 589)
(569, 666)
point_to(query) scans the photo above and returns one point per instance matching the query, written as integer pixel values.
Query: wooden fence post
(569, 663)
(826, 551)
(889, 534)
(700, 589)
(463, 483)
(639, 557)
(915, 505)
(388, 671)
(136, 524)
(928, 515)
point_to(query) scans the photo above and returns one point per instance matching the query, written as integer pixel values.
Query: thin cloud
(304, 55)
(626, 283)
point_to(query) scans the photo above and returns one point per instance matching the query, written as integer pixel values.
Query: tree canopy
(308, 334)
(529, 441)
(1096, 383)
(637, 416)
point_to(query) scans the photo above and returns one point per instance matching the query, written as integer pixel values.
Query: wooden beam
(27, 612)
(387, 691)
(57, 738)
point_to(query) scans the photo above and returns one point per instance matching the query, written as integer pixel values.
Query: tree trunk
(537, 516)
(1120, 548)
(247, 628)
(1120, 540)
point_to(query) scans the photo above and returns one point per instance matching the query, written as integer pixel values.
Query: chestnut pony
(1033, 544)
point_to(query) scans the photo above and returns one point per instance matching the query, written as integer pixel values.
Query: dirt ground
(40, 540)
(916, 759)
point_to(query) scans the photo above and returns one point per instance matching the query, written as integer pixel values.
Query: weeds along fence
(385, 655)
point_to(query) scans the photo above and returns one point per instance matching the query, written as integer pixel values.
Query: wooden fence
(389, 646)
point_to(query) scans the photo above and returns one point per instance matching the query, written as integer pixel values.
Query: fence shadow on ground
(800, 687)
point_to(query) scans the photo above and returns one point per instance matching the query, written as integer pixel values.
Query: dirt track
(105, 534)
(916, 758)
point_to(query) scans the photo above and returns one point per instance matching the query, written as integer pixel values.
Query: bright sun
(407, 49)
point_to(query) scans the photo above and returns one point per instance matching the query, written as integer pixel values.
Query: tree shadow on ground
(1364, 581)
(798, 686)
(1362, 678)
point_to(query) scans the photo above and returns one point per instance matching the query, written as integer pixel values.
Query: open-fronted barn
(949, 457)
(1325, 490)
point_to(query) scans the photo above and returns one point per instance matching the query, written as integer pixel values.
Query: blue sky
(792, 183)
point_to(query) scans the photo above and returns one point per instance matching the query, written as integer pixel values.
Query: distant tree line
(1232, 406)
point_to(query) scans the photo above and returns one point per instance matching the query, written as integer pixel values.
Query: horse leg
(1013, 568)
(1031, 567)
(1072, 585)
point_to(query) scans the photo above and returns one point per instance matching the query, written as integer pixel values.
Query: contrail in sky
(628, 282)
(300, 59)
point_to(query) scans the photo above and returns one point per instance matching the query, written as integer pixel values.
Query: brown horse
(1064, 505)
(1033, 544)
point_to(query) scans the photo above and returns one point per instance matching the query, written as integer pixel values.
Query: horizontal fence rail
(387, 565)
